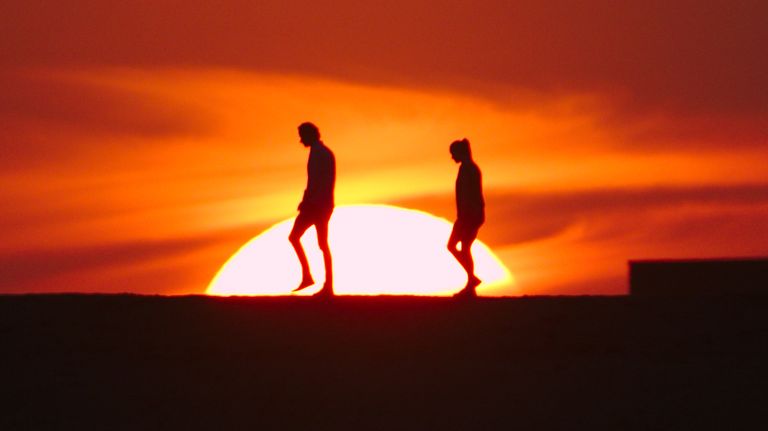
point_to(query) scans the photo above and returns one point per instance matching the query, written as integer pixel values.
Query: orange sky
(143, 144)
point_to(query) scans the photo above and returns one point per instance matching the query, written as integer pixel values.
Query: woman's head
(460, 150)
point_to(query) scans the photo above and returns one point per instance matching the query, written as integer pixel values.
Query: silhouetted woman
(470, 213)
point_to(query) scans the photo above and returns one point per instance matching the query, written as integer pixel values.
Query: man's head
(309, 134)
(460, 151)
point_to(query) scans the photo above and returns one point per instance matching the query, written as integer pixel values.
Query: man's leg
(300, 225)
(322, 241)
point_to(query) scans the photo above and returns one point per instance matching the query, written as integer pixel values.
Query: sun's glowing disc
(376, 249)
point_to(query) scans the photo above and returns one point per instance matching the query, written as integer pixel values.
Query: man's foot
(305, 283)
(325, 292)
(465, 293)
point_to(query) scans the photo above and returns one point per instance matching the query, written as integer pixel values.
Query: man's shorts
(314, 216)
(466, 229)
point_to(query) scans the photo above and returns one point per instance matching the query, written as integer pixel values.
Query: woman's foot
(465, 294)
(305, 283)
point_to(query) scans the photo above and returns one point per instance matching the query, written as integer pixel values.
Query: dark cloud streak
(46, 118)
(520, 217)
(37, 270)
(97, 109)
(680, 56)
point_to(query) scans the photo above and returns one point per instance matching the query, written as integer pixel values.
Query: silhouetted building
(698, 277)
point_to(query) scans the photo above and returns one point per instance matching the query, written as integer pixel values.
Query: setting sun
(377, 249)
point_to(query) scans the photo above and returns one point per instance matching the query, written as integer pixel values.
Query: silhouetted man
(316, 206)
(470, 213)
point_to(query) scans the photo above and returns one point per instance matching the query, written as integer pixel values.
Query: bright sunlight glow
(377, 249)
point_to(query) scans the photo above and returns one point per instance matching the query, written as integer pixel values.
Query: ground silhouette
(670, 277)
(382, 363)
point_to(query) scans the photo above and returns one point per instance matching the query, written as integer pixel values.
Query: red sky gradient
(143, 142)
